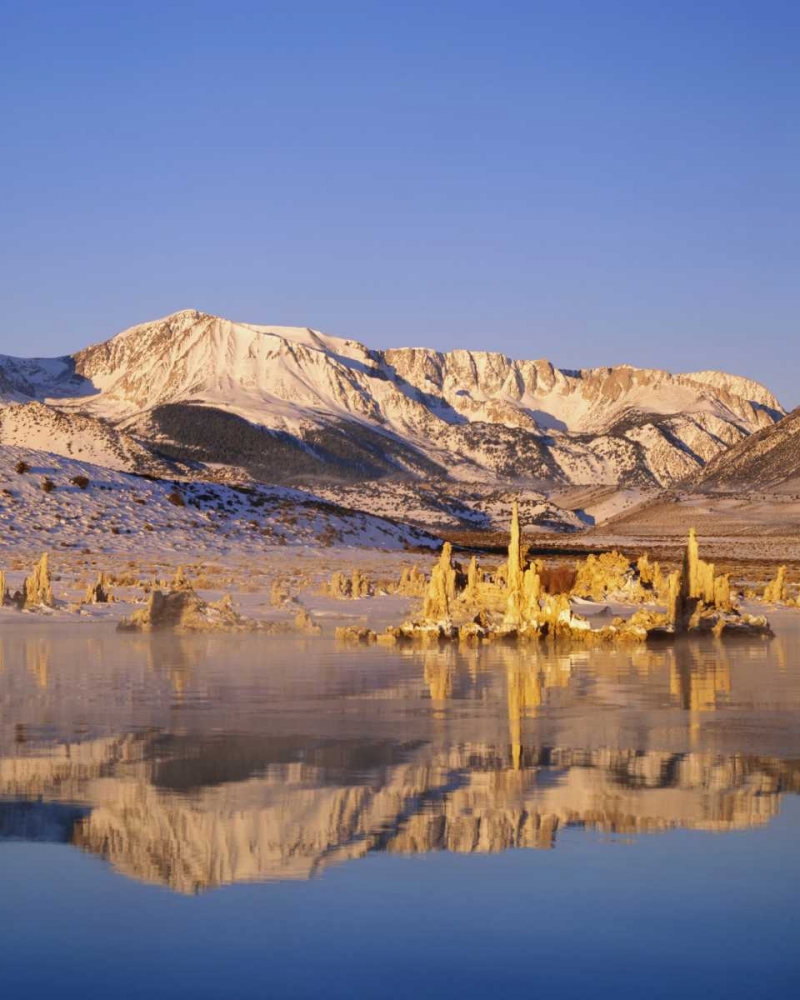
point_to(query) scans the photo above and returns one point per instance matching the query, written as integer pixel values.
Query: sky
(596, 182)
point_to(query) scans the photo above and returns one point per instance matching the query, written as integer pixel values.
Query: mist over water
(243, 816)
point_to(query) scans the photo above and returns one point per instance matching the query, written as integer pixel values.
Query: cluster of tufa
(350, 587)
(515, 603)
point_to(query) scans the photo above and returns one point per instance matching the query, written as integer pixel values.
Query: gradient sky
(593, 182)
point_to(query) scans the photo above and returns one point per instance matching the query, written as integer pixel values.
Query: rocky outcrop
(609, 575)
(280, 593)
(700, 601)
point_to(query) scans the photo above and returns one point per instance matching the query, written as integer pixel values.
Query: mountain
(286, 404)
(767, 461)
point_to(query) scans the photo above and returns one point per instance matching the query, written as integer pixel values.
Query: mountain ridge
(332, 407)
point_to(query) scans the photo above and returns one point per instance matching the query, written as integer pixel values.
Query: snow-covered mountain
(285, 403)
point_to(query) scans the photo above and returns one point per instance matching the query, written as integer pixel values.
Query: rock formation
(37, 590)
(442, 587)
(98, 592)
(413, 582)
(303, 622)
(280, 593)
(350, 587)
(608, 575)
(775, 591)
(473, 579)
(514, 571)
(515, 605)
(182, 610)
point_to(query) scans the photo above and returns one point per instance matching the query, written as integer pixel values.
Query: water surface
(250, 817)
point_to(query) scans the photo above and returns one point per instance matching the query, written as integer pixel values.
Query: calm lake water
(248, 817)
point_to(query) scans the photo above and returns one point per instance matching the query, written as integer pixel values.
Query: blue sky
(593, 182)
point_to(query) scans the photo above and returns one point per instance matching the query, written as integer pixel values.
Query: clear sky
(594, 182)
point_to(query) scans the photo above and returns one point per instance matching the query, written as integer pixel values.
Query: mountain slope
(281, 402)
(115, 512)
(34, 425)
(767, 461)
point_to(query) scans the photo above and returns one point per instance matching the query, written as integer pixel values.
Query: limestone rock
(37, 591)
(355, 634)
(303, 622)
(514, 571)
(413, 582)
(607, 575)
(280, 593)
(775, 591)
(351, 587)
(442, 586)
(183, 610)
(98, 592)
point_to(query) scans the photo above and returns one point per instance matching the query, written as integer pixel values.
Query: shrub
(80, 481)
(48, 485)
(176, 499)
(558, 579)
(22, 467)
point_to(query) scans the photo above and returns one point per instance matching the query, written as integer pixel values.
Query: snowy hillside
(282, 403)
(767, 461)
(88, 506)
(37, 426)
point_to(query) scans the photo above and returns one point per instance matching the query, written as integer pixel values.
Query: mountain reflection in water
(196, 763)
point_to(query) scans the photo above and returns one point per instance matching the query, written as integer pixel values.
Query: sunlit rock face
(292, 820)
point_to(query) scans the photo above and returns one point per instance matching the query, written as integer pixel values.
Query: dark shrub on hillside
(80, 481)
(176, 499)
(48, 485)
(22, 467)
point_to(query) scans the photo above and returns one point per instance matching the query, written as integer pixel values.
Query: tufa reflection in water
(199, 804)
(194, 763)
(194, 814)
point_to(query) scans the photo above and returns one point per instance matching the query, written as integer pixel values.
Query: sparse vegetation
(48, 485)
(558, 579)
(81, 482)
(22, 467)
(176, 499)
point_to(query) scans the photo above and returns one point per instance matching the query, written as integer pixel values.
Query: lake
(282, 817)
